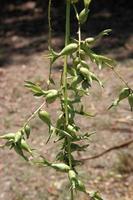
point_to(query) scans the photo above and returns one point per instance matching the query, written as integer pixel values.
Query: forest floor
(110, 174)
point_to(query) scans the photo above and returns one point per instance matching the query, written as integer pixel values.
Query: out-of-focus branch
(127, 143)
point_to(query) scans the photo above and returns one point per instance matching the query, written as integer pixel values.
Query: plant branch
(34, 113)
(67, 37)
(119, 76)
(127, 143)
(49, 40)
(49, 25)
(79, 38)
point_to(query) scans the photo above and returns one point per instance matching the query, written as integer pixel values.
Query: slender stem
(49, 40)
(70, 163)
(79, 30)
(76, 13)
(119, 76)
(79, 38)
(34, 113)
(49, 24)
(67, 36)
(65, 89)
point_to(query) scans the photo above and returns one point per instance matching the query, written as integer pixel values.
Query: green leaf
(64, 133)
(77, 147)
(71, 71)
(71, 129)
(60, 121)
(103, 33)
(102, 61)
(8, 136)
(36, 89)
(94, 77)
(84, 64)
(124, 93)
(24, 145)
(80, 186)
(44, 161)
(19, 151)
(51, 131)
(84, 113)
(76, 80)
(86, 85)
(61, 156)
(85, 136)
(87, 50)
(91, 41)
(53, 55)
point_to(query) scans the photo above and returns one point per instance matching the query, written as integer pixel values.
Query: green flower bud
(27, 130)
(83, 15)
(69, 49)
(18, 136)
(87, 3)
(45, 117)
(51, 96)
(60, 167)
(72, 175)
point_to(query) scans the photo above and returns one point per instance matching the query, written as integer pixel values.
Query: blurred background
(23, 45)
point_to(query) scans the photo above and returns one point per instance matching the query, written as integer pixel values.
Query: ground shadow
(23, 26)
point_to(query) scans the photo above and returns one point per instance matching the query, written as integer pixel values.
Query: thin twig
(34, 113)
(127, 143)
(65, 92)
(49, 41)
(119, 76)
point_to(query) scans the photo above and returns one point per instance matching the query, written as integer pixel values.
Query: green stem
(65, 89)
(49, 40)
(79, 38)
(70, 163)
(67, 36)
(79, 30)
